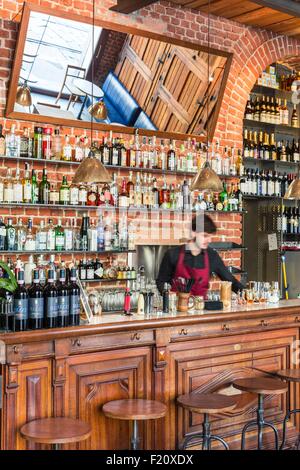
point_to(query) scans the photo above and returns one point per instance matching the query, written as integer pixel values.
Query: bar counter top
(117, 322)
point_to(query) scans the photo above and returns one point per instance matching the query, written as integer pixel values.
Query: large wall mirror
(146, 81)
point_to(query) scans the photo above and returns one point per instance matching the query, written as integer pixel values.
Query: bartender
(196, 260)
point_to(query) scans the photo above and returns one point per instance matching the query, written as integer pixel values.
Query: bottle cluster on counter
(105, 236)
(57, 304)
(262, 146)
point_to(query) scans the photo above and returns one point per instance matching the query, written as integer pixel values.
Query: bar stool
(56, 431)
(206, 404)
(290, 376)
(135, 410)
(261, 386)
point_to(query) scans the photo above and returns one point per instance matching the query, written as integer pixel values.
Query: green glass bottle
(34, 188)
(59, 237)
(224, 198)
(64, 192)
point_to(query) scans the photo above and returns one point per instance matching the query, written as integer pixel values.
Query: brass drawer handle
(225, 327)
(77, 342)
(264, 323)
(136, 336)
(297, 319)
(183, 332)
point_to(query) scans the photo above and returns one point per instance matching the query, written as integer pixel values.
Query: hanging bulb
(91, 171)
(293, 191)
(23, 96)
(98, 110)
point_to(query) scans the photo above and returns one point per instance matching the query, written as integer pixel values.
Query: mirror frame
(74, 123)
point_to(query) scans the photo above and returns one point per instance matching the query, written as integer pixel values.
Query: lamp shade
(91, 171)
(293, 191)
(23, 96)
(207, 179)
(98, 110)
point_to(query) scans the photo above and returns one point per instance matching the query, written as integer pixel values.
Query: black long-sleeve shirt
(169, 263)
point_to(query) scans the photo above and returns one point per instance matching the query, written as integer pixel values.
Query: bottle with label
(78, 150)
(99, 269)
(34, 188)
(64, 192)
(127, 302)
(50, 236)
(92, 237)
(56, 145)
(166, 298)
(21, 304)
(67, 150)
(2, 235)
(59, 237)
(41, 237)
(63, 294)
(82, 270)
(24, 143)
(10, 236)
(38, 143)
(30, 243)
(295, 121)
(36, 303)
(74, 195)
(47, 143)
(285, 114)
(2, 142)
(100, 235)
(224, 198)
(8, 189)
(84, 232)
(90, 270)
(27, 186)
(54, 194)
(82, 195)
(171, 158)
(69, 237)
(51, 302)
(44, 189)
(74, 291)
(12, 143)
(18, 188)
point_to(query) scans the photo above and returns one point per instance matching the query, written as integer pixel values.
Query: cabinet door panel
(95, 379)
(212, 365)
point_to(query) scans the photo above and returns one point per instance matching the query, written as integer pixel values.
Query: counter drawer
(107, 341)
(232, 326)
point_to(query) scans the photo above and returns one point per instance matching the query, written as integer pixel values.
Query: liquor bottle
(30, 242)
(82, 196)
(29, 267)
(50, 236)
(2, 142)
(17, 188)
(107, 238)
(166, 298)
(10, 236)
(224, 198)
(8, 190)
(246, 150)
(69, 237)
(24, 143)
(67, 150)
(248, 112)
(84, 232)
(27, 186)
(2, 235)
(130, 189)
(122, 153)
(47, 143)
(155, 195)
(296, 152)
(186, 196)
(36, 303)
(74, 292)
(104, 149)
(51, 301)
(82, 270)
(164, 195)
(92, 237)
(123, 196)
(77, 151)
(115, 238)
(92, 196)
(114, 191)
(285, 114)
(20, 236)
(59, 237)
(123, 234)
(34, 188)
(295, 121)
(21, 304)
(38, 142)
(44, 189)
(56, 145)
(64, 192)
(115, 154)
(63, 294)
(12, 143)
(41, 237)
(171, 157)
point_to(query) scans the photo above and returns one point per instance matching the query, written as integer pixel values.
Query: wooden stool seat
(56, 431)
(291, 375)
(261, 386)
(134, 409)
(210, 404)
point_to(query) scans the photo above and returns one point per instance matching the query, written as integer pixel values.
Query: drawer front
(232, 326)
(98, 342)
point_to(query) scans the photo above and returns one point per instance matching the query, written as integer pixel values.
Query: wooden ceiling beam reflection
(290, 7)
(129, 6)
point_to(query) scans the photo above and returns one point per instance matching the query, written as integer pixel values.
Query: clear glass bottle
(50, 236)
(27, 186)
(10, 236)
(8, 190)
(12, 143)
(56, 145)
(20, 236)
(18, 188)
(30, 243)
(41, 237)
(67, 150)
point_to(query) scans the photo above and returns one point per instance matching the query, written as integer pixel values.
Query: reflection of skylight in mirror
(51, 44)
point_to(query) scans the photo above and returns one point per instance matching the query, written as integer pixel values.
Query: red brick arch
(242, 78)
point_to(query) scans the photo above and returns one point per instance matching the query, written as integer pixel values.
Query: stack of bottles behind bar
(55, 305)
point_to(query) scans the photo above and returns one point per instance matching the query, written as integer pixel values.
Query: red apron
(201, 276)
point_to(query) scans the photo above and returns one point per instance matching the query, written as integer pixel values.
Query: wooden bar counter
(73, 371)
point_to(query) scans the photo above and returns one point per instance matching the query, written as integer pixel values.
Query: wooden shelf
(268, 91)
(260, 160)
(276, 128)
(250, 196)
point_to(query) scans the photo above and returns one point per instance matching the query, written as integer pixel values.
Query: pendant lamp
(91, 170)
(23, 96)
(207, 178)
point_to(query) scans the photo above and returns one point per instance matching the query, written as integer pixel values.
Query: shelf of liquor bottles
(272, 128)
(63, 252)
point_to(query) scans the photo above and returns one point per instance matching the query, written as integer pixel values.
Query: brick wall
(111, 44)
(253, 49)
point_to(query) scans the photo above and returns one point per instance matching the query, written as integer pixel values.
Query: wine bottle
(63, 294)
(21, 304)
(74, 291)
(51, 302)
(36, 303)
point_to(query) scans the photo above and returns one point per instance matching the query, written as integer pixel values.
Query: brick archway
(241, 80)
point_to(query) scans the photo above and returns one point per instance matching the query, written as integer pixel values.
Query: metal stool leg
(244, 430)
(135, 440)
(188, 439)
(219, 439)
(260, 420)
(286, 419)
(275, 432)
(206, 433)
